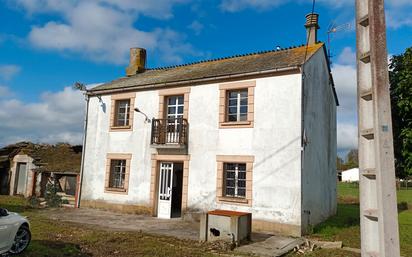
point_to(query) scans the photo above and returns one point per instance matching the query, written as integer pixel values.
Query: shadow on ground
(47, 248)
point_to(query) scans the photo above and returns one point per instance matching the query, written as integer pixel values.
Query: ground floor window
(117, 173)
(235, 179)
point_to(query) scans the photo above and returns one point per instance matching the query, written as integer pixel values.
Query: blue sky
(47, 45)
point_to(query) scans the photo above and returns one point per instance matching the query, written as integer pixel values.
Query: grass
(57, 239)
(53, 238)
(345, 225)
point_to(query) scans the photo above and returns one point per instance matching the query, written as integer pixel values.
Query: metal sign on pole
(378, 204)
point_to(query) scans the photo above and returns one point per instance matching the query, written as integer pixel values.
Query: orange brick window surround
(244, 160)
(125, 100)
(225, 90)
(117, 173)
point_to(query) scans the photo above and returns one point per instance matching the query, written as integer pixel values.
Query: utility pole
(378, 203)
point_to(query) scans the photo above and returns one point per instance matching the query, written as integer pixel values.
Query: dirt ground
(127, 222)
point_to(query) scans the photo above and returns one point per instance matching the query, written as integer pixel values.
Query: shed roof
(239, 64)
(60, 158)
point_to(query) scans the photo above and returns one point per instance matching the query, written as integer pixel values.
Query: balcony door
(174, 116)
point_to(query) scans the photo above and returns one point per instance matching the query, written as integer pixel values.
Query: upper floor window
(237, 105)
(121, 116)
(122, 113)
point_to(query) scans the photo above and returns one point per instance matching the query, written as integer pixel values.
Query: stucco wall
(30, 173)
(274, 141)
(319, 159)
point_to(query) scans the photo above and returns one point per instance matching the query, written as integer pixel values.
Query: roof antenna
(333, 28)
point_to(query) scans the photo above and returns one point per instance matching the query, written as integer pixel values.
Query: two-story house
(253, 133)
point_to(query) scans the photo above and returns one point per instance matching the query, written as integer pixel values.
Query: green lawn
(345, 225)
(57, 239)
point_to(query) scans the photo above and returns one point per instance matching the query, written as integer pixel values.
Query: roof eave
(295, 68)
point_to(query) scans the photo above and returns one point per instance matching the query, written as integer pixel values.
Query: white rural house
(253, 133)
(351, 175)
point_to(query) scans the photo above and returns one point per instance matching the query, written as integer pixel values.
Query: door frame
(154, 183)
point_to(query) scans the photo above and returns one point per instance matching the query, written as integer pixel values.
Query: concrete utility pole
(378, 204)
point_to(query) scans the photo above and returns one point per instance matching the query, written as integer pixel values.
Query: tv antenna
(333, 28)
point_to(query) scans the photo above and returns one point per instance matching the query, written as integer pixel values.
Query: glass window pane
(241, 192)
(242, 166)
(180, 110)
(171, 110)
(171, 100)
(230, 183)
(180, 100)
(230, 191)
(232, 102)
(243, 109)
(243, 93)
(243, 117)
(241, 175)
(241, 183)
(232, 94)
(243, 101)
(232, 118)
(232, 110)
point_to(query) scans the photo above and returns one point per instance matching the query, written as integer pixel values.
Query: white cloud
(5, 92)
(347, 136)
(238, 5)
(104, 30)
(197, 27)
(8, 71)
(344, 74)
(58, 117)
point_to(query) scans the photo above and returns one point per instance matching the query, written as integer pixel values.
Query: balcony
(169, 133)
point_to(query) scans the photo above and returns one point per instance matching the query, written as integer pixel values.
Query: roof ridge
(225, 58)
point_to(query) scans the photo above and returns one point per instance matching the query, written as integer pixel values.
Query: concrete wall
(275, 141)
(319, 158)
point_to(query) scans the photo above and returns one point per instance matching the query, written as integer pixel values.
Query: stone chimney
(137, 61)
(312, 27)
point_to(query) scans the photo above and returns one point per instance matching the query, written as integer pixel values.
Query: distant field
(345, 225)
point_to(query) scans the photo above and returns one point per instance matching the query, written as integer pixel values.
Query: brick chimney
(312, 27)
(137, 61)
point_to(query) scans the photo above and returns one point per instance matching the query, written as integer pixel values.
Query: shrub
(52, 198)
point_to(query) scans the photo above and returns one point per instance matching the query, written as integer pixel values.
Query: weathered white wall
(274, 141)
(351, 175)
(22, 158)
(319, 158)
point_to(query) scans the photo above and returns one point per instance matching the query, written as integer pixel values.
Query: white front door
(164, 207)
(21, 178)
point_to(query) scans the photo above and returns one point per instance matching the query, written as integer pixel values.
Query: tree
(401, 99)
(352, 159)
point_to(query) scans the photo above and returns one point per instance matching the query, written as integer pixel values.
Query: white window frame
(126, 119)
(238, 98)
(120, 184)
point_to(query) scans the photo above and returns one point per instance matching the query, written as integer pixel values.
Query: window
(122, 113)
(235, 180)
(237, 105)
(117, 173)
(121, 116)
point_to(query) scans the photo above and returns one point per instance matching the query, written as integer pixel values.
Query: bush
(33, 202)
(52, 198)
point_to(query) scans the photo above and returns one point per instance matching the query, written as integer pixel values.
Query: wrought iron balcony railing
(170, 132)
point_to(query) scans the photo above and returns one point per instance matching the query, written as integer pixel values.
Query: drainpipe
(79, 193)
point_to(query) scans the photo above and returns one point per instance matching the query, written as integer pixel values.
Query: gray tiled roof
(255, 62)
